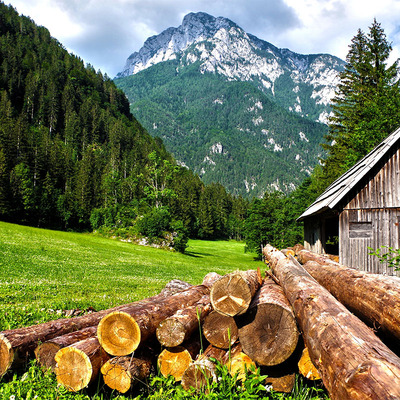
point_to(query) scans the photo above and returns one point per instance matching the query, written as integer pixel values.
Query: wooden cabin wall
(312, 235)
(371, 219)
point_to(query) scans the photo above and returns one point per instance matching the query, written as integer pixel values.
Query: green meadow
(43, 272)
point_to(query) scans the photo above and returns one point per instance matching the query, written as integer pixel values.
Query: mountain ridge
(261, 101)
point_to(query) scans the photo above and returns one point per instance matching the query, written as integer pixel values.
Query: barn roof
(342, 186)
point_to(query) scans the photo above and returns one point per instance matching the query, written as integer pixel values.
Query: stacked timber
(352, 361)
(243, 322)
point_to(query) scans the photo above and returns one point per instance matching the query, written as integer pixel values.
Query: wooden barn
(360, 210)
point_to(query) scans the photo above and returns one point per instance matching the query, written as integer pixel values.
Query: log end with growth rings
(198, 375)
(6, 355)
(118, 333)
(231, 295)
(239, 364)
(171, 332)
(73, 368)
(45, 354)
(174, 361)
(116, 377)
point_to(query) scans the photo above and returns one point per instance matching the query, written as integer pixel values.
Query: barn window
(360, 230)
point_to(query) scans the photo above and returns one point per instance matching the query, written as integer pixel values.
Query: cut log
(174, 330)
(237, 362)
(210, 279)
(352, 361)
(307, 368)
(282, 384)
(232, 294)
(121, 332)
(174, 286)
(202, 371)
(20, 343)
(220, 330)
(268, 331)
(121, 373)
(79, 364)
(175, 361)
(374, 298)
(45, 352)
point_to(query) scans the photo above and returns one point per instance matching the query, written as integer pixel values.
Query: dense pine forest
(73, 157)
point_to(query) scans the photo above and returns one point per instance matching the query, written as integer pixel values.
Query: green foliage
(366, 107)
(272, 220)
(387, 255)
(155, 223)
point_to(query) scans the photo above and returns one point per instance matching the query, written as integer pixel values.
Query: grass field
(43, 273)
(52, 270)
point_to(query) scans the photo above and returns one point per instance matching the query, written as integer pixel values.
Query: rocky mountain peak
(195, 27)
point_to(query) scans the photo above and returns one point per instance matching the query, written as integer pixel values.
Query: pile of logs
(304, 316)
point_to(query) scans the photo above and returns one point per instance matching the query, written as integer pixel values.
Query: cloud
(105, 32)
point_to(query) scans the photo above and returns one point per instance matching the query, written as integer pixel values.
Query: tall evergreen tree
(366, 105)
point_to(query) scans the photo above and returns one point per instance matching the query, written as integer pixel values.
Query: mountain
(233, 108)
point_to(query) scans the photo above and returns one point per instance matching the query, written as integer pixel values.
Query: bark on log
(121, 373)
(268, 331)
(374, 298)
(45, 352)
(79, 364)
(306, 367)
(232, 294)
(20, 343)
(352, 361)
(174, 330)
(199, 373)
(175, 361)
(210, 279)
(220, 330)
(174, 286)
(121, 332)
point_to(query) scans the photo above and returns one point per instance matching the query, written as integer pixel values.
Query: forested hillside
(216, 127)
(73, 157)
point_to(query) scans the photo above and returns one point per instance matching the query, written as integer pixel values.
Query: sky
(105, 32)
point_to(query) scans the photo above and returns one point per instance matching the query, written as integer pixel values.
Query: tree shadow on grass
(198, 255)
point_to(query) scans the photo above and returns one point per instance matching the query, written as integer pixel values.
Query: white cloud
(106, 32)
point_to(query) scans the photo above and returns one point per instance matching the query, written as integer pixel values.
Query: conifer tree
(366, 105)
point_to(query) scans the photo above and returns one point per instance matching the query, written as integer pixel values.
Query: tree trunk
(79, 364)
(268, 331)
(174, 330)
(374, 298)
(175, 361)
(45, 352)
(352, 361)
(20, 343)
(231, 295)
(121, 373)
(198, 374)
(220, 330)
(121, 332)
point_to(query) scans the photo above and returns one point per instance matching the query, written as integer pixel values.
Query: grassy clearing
(43, 272)
(52, 270)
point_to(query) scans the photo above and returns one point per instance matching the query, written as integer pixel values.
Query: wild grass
(43, 273)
